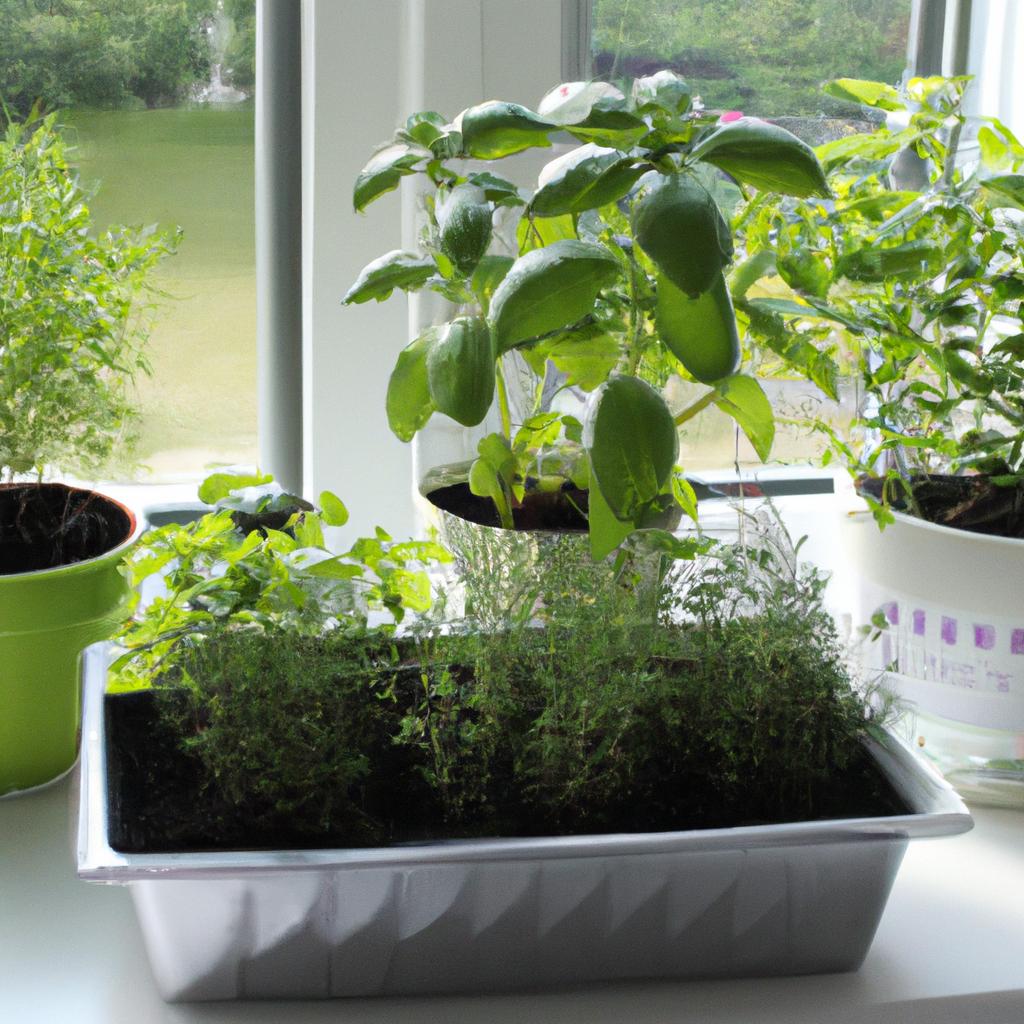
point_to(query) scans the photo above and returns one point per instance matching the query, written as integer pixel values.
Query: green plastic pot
(47, 618)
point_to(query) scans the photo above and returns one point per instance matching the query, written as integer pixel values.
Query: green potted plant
(911, 292)
(307, 804)
(70, 340)
(604, 287)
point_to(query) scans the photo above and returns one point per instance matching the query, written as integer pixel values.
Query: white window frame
(365, 66)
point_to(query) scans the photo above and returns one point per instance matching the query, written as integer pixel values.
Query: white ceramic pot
(953, 645)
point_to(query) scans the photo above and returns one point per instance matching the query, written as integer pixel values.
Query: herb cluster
(729, 704)
(909, 284)
(72, 326)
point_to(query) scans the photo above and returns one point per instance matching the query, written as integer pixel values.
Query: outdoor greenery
(72, 325)
(767, 57)
(910, 284)
(729, 704)
(607, 281)
(86, 53)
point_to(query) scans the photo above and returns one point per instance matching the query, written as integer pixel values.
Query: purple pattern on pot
(919, 620)
(948, 630)
(984, 636)
(892, 613)
(1017, 641)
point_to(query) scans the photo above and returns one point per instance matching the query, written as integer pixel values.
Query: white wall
(366, 66)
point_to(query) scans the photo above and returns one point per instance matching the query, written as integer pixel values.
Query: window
(768, 58)
(764, 57)
(157, 101)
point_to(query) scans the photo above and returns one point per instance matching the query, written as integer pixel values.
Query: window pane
(764, 57)
(767, 58)
(156, 101)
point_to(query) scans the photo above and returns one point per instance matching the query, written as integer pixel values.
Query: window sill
(948, 949)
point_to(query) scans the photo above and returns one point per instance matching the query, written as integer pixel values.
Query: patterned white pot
(953, 642)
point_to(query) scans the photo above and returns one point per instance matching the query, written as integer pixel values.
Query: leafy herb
(909, 286)
(259, 560)
(607, 278)
(72, 327)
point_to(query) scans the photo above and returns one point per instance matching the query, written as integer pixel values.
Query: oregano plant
(259, 561)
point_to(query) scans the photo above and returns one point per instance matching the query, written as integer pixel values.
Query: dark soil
(971, 503)
(43, 526)
(540, 510)
(160, 801)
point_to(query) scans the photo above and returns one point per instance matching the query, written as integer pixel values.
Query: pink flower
(730, 115)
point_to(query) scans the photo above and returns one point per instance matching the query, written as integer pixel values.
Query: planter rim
(937, 810)
(949, 534)
(453, 473)
(137, 524)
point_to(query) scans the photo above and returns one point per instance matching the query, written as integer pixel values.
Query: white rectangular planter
(503, 914)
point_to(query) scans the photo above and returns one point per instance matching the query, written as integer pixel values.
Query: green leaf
(218, 486)
(874, 265)
(395, 269)
(664, 90)
(460, 370)
(495, 129)
(870, 94)
(632, 442)
(536, 232)
(765, 156)
(549, 288)
(744, 400)
(499, 191)
(1005, 190)
(586, 355)
(584, 179)
(489, 273)
(678, 224)
(332, 509)
(606, 126)
(426, 127)
(384, 171)
(685, 495)
(701, 333)
(750, 271)
(463, 225)
(593, 112)
(409, 404)
(493, 475)
(805, 271)
(606, 531)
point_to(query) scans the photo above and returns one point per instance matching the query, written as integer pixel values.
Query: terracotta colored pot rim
(134, 530)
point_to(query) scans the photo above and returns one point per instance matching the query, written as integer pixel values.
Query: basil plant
(608, 279)
(909, 284)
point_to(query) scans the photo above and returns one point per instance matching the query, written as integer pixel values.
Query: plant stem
(699, 406)
(636, 321)
(506, 415)
(949, 167)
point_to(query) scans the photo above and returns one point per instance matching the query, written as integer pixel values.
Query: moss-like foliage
(730, 705)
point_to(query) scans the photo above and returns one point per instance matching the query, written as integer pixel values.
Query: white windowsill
(948, 951)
